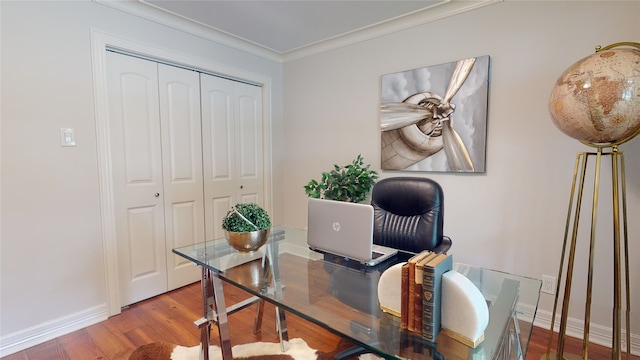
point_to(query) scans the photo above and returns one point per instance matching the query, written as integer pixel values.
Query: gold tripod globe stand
(597, 101)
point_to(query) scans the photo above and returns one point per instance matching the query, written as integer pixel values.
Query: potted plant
(350, 182)
(246, 226)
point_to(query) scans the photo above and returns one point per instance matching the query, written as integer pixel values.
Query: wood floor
(169, 318)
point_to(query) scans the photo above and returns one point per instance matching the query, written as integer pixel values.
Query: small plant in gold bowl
(246, 227)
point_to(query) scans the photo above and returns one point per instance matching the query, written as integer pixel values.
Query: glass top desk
(341, 296)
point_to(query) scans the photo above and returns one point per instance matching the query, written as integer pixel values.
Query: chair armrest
(444, 246)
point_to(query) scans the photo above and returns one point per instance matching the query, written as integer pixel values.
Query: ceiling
(285, 26)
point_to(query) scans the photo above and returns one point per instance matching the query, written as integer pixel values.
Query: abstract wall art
(435, 118)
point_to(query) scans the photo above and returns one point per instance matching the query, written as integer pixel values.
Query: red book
(404, 296)
(411, 306)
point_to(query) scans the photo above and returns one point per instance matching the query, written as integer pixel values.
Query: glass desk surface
(341, 296)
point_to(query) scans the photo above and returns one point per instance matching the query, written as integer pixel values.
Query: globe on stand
(597, 101)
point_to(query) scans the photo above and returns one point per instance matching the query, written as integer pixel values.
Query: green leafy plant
(350, 182)
(253, 212)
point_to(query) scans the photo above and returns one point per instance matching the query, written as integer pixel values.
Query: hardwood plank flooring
(169, 318)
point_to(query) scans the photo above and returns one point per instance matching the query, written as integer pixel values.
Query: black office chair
(409, 214)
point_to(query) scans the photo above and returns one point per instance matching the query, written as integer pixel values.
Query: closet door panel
(247, 137)
(249, 142)
(179, 91)
(218, 128)
(219, 206)
(221, 129)
(137, 176)
(232, 148)
(186, 219)
(249, 198)
(142, 226)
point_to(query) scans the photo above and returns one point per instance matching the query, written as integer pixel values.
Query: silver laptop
(344, 229)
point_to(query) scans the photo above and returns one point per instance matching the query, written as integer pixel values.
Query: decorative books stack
(421, 293)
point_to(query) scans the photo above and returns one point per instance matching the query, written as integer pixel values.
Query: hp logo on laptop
(336, 226)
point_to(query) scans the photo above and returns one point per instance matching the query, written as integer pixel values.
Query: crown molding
(436, 12)
(151, 13)
(420, 17)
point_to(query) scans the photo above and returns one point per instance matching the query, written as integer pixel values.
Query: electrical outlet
(548, 284)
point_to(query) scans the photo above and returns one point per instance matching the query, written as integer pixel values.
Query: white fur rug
(297, 350)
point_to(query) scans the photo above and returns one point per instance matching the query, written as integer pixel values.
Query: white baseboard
(40, 333)
(598, 334)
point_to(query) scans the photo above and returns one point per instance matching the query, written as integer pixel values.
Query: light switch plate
(67, 137)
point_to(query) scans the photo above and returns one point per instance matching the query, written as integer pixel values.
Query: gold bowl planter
(247, 241)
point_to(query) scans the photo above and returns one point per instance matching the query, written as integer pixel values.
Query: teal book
(432, 294)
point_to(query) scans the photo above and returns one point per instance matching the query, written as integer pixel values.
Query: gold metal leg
(623, 183)
(572, 251)
(619, 180)
(592, 242)
(619, 259)
(580, 160)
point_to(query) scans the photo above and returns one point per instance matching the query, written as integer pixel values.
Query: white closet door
(218, 145)
(182, 168)
(137, 176)
(185, 147)
(232, 148)
(249, 143)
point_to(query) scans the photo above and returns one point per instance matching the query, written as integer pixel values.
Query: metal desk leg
(204, 323)
(212, 292)
(222, 320)
(257, 324)
(515, 337)
(282, 328)
(272, 267)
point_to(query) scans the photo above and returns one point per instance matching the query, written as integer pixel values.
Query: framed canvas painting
(435, 118)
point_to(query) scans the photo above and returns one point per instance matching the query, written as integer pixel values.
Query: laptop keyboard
(375, 255)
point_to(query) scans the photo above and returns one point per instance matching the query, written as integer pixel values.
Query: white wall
(52, 265)
(512, 217)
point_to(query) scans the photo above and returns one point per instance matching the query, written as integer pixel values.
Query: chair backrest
(409, 214)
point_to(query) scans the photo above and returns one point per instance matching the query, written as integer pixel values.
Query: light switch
(67, 137)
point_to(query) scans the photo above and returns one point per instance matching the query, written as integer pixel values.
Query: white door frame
(100, 42)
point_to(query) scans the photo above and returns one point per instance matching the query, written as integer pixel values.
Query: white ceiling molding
(438, 11)
(151, 13)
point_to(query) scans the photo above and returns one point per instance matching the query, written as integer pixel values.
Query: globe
(597, 99)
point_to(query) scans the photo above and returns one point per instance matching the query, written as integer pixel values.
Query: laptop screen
(340, 228)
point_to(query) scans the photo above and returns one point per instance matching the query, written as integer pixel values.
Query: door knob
(157, 194)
